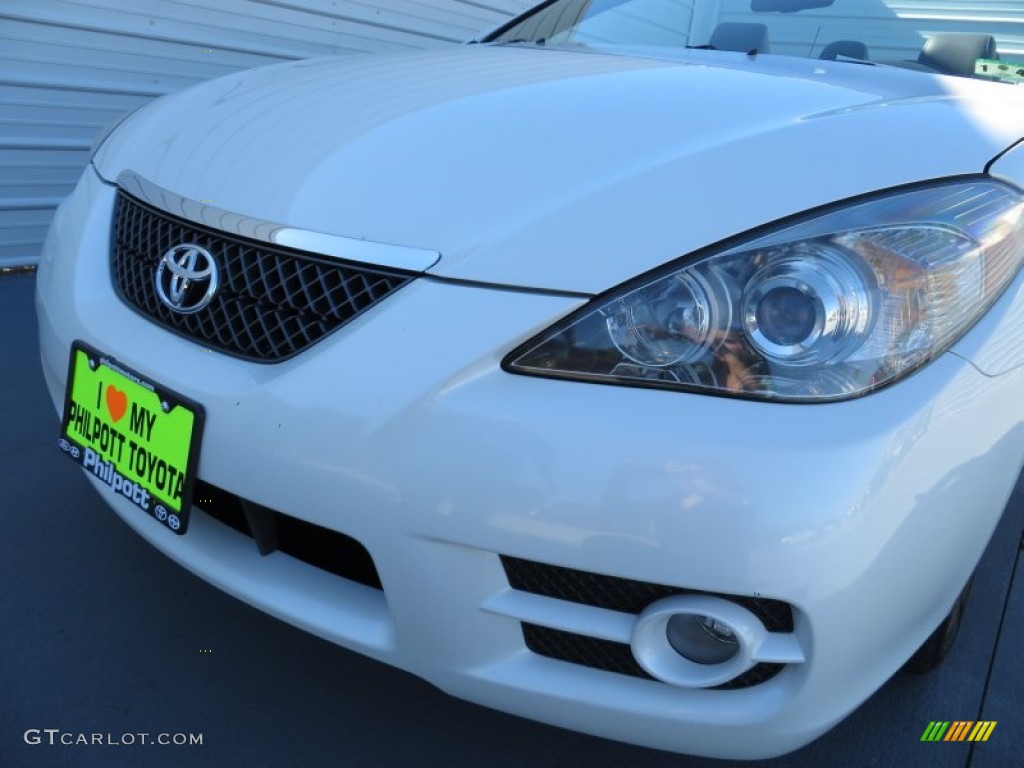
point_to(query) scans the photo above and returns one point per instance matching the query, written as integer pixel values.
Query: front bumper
(401, 431)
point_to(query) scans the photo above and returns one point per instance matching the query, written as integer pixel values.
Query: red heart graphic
(117, 403)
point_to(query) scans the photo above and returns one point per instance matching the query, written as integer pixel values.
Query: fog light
(702, 639)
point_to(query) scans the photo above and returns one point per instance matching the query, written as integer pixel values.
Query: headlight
(830, 307)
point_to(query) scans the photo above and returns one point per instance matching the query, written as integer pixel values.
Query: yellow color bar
(982, 730)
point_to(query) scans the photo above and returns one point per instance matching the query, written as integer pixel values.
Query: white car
(628, 369)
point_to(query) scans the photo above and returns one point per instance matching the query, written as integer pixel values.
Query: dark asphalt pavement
(102, 634)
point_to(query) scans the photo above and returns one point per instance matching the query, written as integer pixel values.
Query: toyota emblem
(186, 278)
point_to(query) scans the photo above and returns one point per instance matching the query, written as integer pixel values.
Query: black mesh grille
(580, 649)
(627, 596)
(610, 656)
(272, 302)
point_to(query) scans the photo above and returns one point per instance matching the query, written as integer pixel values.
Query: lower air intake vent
(626, 596)
(275, 531)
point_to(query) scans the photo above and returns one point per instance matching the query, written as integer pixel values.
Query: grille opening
(625, 595)
(593, 652)
(272, 302)
(220, 505)
(326, 549)
(628, 596)
(610, 656)
(314, 545)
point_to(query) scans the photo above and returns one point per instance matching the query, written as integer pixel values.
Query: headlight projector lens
(807, 306)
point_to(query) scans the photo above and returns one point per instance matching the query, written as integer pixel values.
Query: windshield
(966, 39)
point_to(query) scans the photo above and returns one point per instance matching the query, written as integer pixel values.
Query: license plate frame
(111, 414)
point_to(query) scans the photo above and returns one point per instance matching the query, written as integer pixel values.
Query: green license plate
(140, 439)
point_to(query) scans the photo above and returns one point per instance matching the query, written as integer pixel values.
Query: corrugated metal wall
(70, 67)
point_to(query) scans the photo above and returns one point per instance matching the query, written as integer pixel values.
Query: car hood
(554, 169)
